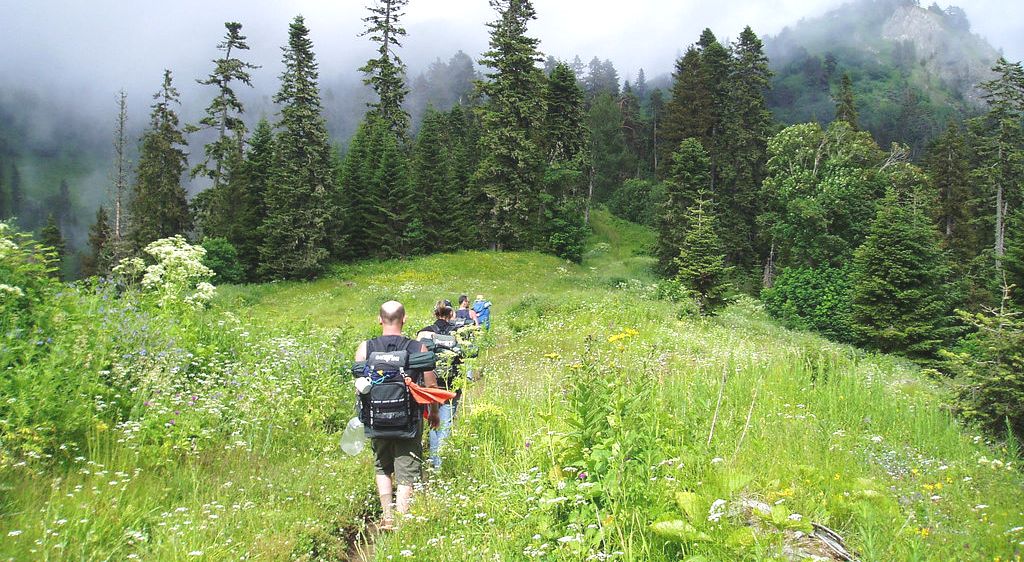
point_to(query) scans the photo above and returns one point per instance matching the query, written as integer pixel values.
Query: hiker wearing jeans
(443, 326)
(398, 449)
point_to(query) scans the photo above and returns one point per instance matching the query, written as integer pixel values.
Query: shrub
(816, 299)
(222, 258)
(637, 201)
(988, 364)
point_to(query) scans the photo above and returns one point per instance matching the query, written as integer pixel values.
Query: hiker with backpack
(392, 417)
(465, 316)
(482, 310)
(440, 336)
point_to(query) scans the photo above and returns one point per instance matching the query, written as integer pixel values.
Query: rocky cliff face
(959, 59)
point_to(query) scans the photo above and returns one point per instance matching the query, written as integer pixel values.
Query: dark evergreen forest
(894, 224)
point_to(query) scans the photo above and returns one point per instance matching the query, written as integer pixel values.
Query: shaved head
(392, 313)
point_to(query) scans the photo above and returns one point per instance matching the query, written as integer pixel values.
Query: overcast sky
(87, 49)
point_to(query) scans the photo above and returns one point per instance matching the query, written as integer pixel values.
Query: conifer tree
(657, 110)
(398, 223)
(700, 265)
(749, 139)
(386, 73)
(988, 381)
(511, 162)
(51, 237)
(119, 188)
(17, 195)
(158, 206)
(97, 261)
(640, 87)
(224, 114)
(1002, 149)
(469, 201)
(356, 198)
(689, 182)
(947, 163)
(846, 107)
(632, 130)
(608, 153)
(1013, 260)
(429, 175)
(563, 134)
(683, 111)
(302, 189)
(61, 207)
(258, 170)
(4, 213)
(899, 276)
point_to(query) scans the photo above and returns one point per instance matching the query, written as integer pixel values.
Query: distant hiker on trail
(482, 309)
(393, 419)
(465, 316)
(441, 335)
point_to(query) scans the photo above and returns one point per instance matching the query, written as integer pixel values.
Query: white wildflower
(717, 510)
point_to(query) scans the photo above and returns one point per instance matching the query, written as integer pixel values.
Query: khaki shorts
(403, 457)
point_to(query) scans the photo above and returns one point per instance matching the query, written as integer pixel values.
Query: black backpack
(388, 410)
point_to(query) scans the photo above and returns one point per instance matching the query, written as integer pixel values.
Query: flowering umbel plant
(178, 276)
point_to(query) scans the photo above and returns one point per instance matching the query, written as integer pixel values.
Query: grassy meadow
(605, 424)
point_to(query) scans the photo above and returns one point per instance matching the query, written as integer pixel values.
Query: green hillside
(602, 426)
(913, 68)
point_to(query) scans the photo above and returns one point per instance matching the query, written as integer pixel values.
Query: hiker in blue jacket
(482, 309)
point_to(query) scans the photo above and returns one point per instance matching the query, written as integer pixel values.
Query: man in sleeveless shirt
(398, 461)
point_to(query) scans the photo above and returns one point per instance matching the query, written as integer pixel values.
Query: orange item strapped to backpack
(424, 395)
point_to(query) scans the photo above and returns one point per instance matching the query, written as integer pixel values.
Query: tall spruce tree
(470, 202)
(398, 224)
(158, 207)
(97, 260)
(846, 106)
(657, 112)
(356, 198)
(1013, 260)
(563, 133)
(430, 181)
(640, 87)
(512, 161)
(51, 237)
(61, 207)
(632, 130)
(750, 81)
(258, 170)
(119, 187)
(224, 114)
(683, 111)
(300, 197)
(608, 154)
(899, 284)
(690, 181)
(1002, 148)
(4, 212)
(17, 195)
(386, 73)
(947, 162)
(700, 264)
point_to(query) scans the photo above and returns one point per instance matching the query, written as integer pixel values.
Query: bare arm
(361, 352)
(429, 377)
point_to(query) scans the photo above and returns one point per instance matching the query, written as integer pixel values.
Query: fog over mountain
(63, 62)
(84, 51)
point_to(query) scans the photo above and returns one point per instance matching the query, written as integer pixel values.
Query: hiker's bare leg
(404, 498)
(384, 489)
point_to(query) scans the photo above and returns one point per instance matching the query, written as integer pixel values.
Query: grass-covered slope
(594, 420)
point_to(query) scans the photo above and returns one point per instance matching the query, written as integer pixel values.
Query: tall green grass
(589, 425)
